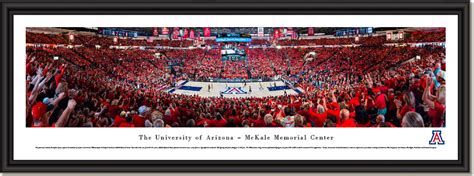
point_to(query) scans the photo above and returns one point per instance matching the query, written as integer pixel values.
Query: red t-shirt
(406, 109)
(347, 123)
(28, 68)
(174, 115)
(259, 123)
(303, 113)
(321, 119)
(383, 89)
(390, 124)
(380, 102)
(318, 118)
(296, 105)
(355, 101)
(391, 99)
(126, 125)
(370, 103)
(352, 114)
(138, 121)
(219, 123)
(236, 119)
(58, 77)
(202, 121)
(118, 120)
(335, 112)
(114, 110)
(436, 114)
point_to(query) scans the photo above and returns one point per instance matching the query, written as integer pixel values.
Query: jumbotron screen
(233, 38)
(233, 53)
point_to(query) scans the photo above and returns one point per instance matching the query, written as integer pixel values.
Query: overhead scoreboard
(354, 31)
(232, 37)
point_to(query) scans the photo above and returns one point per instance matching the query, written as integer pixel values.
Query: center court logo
(436, 138)
(234, 90)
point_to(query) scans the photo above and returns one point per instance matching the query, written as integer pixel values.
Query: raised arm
(427, 94)
(398, 104)
(36, 88)
(324, 103)
(333, 97)
(66, 113)
(56, 101)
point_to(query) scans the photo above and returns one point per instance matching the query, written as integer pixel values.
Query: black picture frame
(192, 7)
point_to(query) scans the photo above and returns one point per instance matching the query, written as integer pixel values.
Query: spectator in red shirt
(321, 116)
(380, 101)
(235, 118)
(333, 108)
(346, 120)
(128, 123)
(119, 119)
(219, 121)
(143, 115)
(408, 105)
(436, 104)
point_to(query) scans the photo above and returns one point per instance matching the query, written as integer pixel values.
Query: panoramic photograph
(280, 77)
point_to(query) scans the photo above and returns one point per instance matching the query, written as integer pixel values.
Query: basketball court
(234, 90)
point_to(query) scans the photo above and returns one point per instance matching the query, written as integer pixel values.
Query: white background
(26, 138)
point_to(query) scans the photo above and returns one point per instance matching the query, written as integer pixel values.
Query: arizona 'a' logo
(436, 138)
(234, 90)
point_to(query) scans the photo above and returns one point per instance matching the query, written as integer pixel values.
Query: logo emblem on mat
(234, 90)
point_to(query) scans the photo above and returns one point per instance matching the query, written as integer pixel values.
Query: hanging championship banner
(185, 34)
(207, 32)
(155, 31)
(191, 34)
(175, 33)
(165, 31)
(400, 35)
(310, 31)
(276, 34)
(260, 32)
(282, 34)
(389, 35)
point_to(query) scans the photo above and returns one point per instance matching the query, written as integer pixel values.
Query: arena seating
(124, 88)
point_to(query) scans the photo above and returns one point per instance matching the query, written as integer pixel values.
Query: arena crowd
(372, 85)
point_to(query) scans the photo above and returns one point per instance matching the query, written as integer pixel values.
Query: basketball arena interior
(168, 77)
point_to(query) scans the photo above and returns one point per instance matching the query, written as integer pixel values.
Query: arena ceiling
(148, 31)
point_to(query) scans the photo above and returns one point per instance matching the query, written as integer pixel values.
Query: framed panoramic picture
(231, 86)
